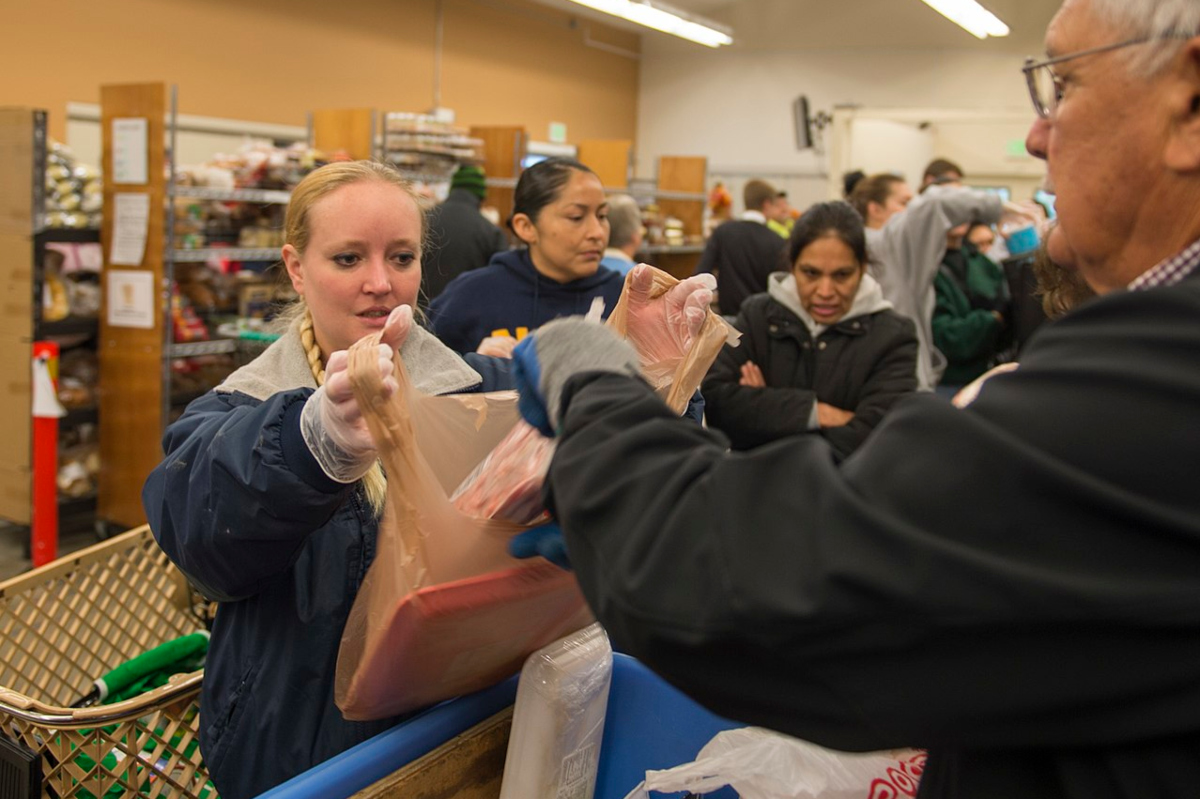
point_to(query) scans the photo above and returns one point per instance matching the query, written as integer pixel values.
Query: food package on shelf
(84, 296)
(673, 231)
(260, 237)
(78, 468)
(78, 378)
(76, 257)
(186, 324)
(73, 191)
(56, 301)
(423, 144)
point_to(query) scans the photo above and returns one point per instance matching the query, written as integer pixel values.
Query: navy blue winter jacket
(510, 297)
(243, 508)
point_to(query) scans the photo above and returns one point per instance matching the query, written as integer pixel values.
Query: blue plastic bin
(650, 725)
(372, 760)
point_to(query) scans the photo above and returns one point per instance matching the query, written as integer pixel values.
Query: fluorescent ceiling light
(968, 14)
(662, 18)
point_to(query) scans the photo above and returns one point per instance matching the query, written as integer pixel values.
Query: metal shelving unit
(234, 195)
(173, 350)
(204, 254)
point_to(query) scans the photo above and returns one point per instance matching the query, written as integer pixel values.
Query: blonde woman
(269, 496)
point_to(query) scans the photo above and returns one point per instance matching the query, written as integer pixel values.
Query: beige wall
(504, 62)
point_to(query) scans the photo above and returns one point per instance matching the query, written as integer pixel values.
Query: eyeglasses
(1045, 88)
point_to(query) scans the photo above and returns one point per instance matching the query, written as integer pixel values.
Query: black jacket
(1014, 586)
(862, 364)
(742, 254)
(460, 239)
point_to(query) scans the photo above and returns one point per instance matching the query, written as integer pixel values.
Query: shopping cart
(66, 623)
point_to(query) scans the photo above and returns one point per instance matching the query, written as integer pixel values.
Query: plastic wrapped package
(507, 485)
(444, 609)
(558, 719)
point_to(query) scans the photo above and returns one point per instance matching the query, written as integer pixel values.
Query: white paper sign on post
(130, 152)
(131, 221)
(130, 298)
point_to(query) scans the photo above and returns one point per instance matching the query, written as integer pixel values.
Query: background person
(460, 238)
(971, 318)
(743, 253)
(878, 198)
(822, 350)
(625, 235)
(940, 172)
(560, 215)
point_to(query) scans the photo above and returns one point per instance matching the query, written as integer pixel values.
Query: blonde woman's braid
(312, 350)
(374, 483)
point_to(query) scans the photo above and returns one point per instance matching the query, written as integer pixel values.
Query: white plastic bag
(760, 764)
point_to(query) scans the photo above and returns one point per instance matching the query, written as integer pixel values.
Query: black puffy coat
(862, 364)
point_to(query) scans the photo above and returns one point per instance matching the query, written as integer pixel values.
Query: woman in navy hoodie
(560, 212)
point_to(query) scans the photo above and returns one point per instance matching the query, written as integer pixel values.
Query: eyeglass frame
(1031, 66)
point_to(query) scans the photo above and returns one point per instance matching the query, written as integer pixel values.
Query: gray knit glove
(545, 361)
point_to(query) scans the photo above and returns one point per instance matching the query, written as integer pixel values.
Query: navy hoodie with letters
(510, 297)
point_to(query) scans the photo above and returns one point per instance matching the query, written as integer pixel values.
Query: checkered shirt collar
(1170, 271)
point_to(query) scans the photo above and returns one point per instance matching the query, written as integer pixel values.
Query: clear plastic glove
(331, 422)
(545, 540)
(544, 361)
(663, 328)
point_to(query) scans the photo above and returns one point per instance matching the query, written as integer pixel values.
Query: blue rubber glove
(545, 540)
(544, 361)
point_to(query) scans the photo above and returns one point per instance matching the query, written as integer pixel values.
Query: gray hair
(624, 220)
(1166, 23)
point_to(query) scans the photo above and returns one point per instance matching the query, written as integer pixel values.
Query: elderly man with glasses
(1014, 585)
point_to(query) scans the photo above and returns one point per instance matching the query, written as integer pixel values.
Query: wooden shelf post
(132, 364)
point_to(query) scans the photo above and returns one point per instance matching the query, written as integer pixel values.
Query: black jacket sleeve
(752, 416)
(1018, 573)
(893, 376)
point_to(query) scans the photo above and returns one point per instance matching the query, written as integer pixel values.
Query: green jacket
(969, 286)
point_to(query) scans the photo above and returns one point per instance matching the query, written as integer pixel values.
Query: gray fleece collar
(868, 300)
(433, 367)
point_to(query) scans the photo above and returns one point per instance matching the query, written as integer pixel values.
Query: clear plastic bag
(760, 764)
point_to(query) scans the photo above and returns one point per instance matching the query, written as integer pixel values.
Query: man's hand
(829, 416)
